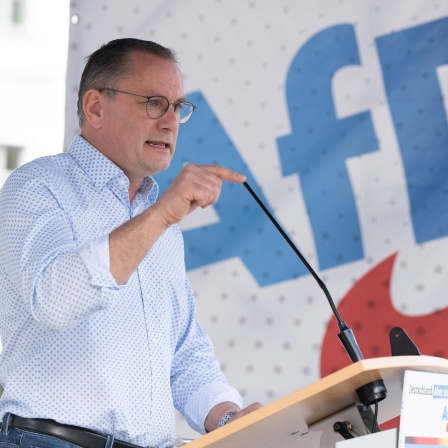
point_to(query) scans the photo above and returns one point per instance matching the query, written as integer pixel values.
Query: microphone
(370, 393)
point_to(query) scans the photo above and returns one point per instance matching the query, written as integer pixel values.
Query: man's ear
(93, 103)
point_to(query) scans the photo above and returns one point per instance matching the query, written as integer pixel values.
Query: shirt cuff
(204, 399)
(95, 256)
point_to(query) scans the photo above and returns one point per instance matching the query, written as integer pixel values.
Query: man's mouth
(158, 144)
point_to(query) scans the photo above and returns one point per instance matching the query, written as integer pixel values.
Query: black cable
(342, 325)
(375, 418)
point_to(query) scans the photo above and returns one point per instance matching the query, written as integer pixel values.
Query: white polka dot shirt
(78, 348)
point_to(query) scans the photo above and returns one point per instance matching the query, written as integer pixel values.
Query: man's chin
(155, 169)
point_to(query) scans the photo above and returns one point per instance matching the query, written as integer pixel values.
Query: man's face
(139, 145)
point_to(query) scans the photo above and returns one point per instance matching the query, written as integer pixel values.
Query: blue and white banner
(336, 110)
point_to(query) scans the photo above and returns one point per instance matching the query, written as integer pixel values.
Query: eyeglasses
(157, 106)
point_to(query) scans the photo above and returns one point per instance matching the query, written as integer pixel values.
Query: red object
(368, 311)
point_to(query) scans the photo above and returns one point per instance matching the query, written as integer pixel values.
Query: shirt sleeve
(206, 398)
(47, 267)
(197, 381)
(95, 256)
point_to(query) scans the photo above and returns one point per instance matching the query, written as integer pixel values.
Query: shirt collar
(96, 165)
(102, 170)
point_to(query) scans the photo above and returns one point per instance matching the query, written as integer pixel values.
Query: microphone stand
(370, 393)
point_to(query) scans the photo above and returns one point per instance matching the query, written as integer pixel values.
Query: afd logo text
(318, 148)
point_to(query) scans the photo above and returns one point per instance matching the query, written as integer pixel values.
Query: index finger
(225, 173)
